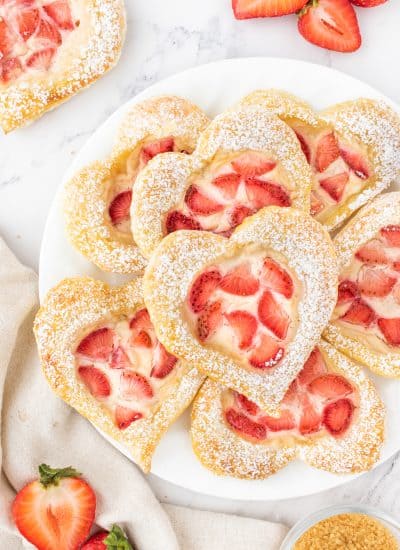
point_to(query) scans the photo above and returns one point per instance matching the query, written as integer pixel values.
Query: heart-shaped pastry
(98, 198)
(244, 160)
(331, 417)
(366, 322)
(353, 149)
(100, 354)
(51, 50)
(248, 310)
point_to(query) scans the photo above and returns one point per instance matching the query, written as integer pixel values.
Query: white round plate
(214, 87)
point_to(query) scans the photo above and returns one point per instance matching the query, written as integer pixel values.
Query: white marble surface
(160, 42)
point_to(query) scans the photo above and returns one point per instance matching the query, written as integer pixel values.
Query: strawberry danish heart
(98, 197)
(51, 50)
(248, 310)
(366, 321)
(353, 149)
(243, 161)
(331, 417)
(100, 354)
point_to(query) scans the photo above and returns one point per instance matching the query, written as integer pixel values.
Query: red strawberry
(330, 24)
(240, 281)
(177, 220)
(119, 359)
(108, 540)
(316, 204)
(335, 185)
(119, 210)
(56, 511)
(203, 288)
(163, 362)
(150, 150)
(228, 184)
(391, 330)
(41, 59)
(245, 404)
(330, 386)
(313, 367)
(373, 281)
(304, 147)
(199, 203)
(10, 69)
(124, 418)
(391, 234)
(96, 542)
(95, 380)
(327, 151)
(337, 416)
(356, 163)
(142, 339)
(7, 38)
(238, 214)
(359, 313)
(272, 315)
(141, 321)
(372, 253)
(368, 3)
(60, 12)
(242, 423)
(27, 21)
(310, 420)
(245, 326)
(284, 422)
(135, 386)
(98, 344)
(48, 31)
(247, 9)
(209, 320)
(265, 193)
(252, 164)
(347, 292)
(276, 278)
(267, 354)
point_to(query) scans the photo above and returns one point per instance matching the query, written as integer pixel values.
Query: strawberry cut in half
(177, 220)
(244, 325)
(310, 421)
(163, 362)
(359, 313)
(391, 235)
(199, 203)
(203, 288)
(252, 164)
(125, 416)
(104, 540)
(10, 69)
(330, 386)
(337, 416)
(28, 21)
(356, 163)
(60, 13)
(267, 354)
(272, 315)
(248, 9)
(347, 292)
(313, 367)
(304, 146)
(97, 345)
(276, 278)
(391, 330)
(245, 404)
(368, 3)
(238, 214)
(284, 422)
(240, 281)
(243, 424)
(228, 184)
(120, 207)
(327, 152)
(209, 321)
(119, 359)
(41, 60)
(150, 150)
(375, 282)
(96, 381)
(135, 386)
(265, 193)
(372, 253)
(141, 321)
(335, 185)
(48, 32)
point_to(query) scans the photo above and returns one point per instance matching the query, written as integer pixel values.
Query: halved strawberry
(313, 367)
(56, 511)
(335, 185)
(367, 3)
(330, 386)
(108, 540)
(150, 150)
(141, 321)
(47, 30)
(265, 193)
(304, 146)
(41, 60)
(119, 210)
(310, 420)
(242, 423)
(391, 234)
(285, 421)
(372, 253)
(272, 315)
(10, 69)
(142, 339)
(95, 380)
(247, 9)
(60, 12)
(359, 313)
(240, 281)
(337, 416)
(124, 418)
(203, 288)
(27, 21)
(374, 281)
(347, 292)
(7, 38)
(119, 359)
(244, 325)
(238, 214)
(245, 404)
(356, 163)
(267, 354)
(135, 386)
(327, 150)
(163, 362)
(330, 24)
(276, 278)
(177, 220)
(209, 320)
(252, 164)
(199, 203)
(228, 184)
(98, 344)
(316, 204)
(391, 330)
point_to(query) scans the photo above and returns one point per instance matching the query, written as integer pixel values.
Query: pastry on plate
(248, 310)
(244, 160)
(366, 321)
(99, 353)
(331, 417)
(98, 197)
(353, 149)
(51, 50)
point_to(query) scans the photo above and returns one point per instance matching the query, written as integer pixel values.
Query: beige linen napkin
(37, 426)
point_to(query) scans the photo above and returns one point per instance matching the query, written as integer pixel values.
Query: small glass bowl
(304, 524)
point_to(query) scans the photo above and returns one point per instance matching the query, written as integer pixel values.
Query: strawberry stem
(116, 539)
(51, 476)
(310, 4)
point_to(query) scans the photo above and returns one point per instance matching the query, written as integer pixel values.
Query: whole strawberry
(368, 3)
(113, 540)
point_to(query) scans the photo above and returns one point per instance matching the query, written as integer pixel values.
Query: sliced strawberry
(228, 184)
(124, 417)
(327, 151)
(247, 9)
(367, 3)
(209, 320)
(313, 367)
(316, 204)
(150, 150)
(28, 21)
(47, 30)
(240, 281)
(244, 403)
(372, 253)
(203, 288)
(108, 540)
(330, 24)
(276, 278)
(347, 292)
(41, 60)
(337, 416)
(142, 339)
(359, 313)
(199, 203)
(135, 386)
(242, 423)
(285, 421)
(391, 330)
(141, 321)
(10, 69)
(252, 164)
(272, 315)
(292, 394)
(330, 386)
(310, 420)
(391, 234)
(356, 163)
(7, 38)
(163, 362)
(396, 266)
(119, 210)
(60, 12)
(374, 281)
(177, 220)
(304, 146)
(335, 185)
(244, 325)
(264, 193)
(97, 345)
(96, 381)
(119, 359)
(238, 214)
(267, 354)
